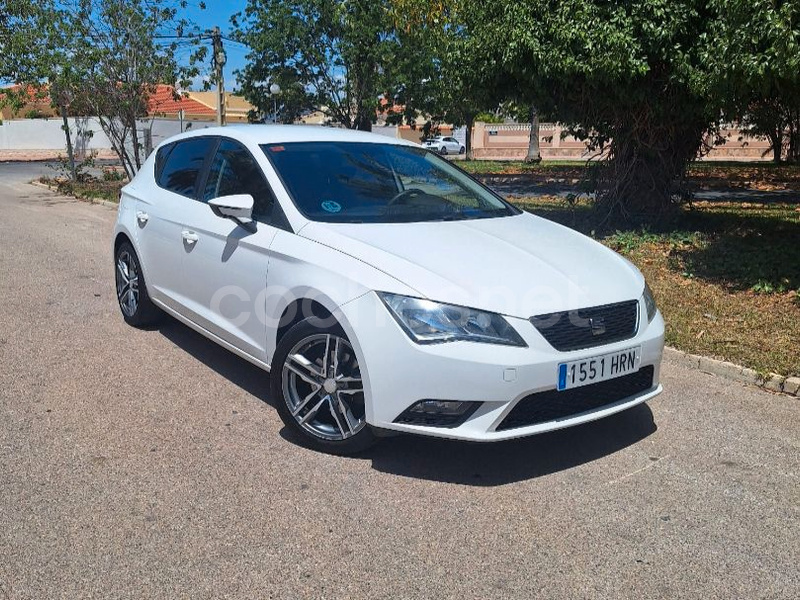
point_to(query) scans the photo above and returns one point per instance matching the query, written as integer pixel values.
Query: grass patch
(87, 189)
(726, 276)
(558, 168)
(745, 175)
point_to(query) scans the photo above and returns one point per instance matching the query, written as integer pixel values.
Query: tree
(432, 69)
(121, 61)
(755, 69)
(327, 53)
(38, 55)
(18, 25)
(104, 56)
(628, 77)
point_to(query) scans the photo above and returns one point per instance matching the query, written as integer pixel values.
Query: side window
(183, 165)
(161, 158)
(235, 171)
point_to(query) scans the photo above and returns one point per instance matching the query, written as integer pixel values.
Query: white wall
(46, 134)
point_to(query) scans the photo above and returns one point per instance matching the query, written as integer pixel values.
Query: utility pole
(219, 60)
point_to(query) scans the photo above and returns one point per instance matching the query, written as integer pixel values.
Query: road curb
(55, 189)
(771, 382)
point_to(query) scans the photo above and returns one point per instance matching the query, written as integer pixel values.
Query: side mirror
(238, 207)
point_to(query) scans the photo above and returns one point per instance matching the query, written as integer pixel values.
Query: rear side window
(161, 159)
(235, 171)
(183, 166)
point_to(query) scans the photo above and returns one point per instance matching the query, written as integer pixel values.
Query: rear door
(159, 217)
(225, 271)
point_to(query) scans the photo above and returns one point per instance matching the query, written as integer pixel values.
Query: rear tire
(316, 384)
(462, 150)
(134, 301)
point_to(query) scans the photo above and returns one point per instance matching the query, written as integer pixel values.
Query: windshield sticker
(331, 206)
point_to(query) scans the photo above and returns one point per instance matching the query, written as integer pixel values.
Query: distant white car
(445, 145)
(383, 288)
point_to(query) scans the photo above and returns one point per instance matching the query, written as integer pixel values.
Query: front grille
(589, 327)
(553, 405)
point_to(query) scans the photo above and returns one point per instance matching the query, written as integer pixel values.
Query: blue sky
(218, 13)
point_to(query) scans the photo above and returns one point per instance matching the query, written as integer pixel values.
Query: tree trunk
(640, 180)
(468, 142)
(137, 160)
(363, 122)
(534, 155)
(776, 141)
(70, 153)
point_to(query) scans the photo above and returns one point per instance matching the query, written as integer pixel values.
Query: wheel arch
(120, 239)
(304, 303)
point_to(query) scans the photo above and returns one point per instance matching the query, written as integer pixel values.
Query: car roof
(278, 134)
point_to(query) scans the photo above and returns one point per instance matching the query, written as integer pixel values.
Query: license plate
(598, 368)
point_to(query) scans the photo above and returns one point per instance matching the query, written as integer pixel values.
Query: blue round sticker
(331, 206)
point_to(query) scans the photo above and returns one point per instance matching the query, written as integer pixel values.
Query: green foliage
(102, 57)
(111, 174)
(119, 64)
(489, 117)
(435, 72)
(755, 69)
(18, 28)
(326, 55)
(63, 168)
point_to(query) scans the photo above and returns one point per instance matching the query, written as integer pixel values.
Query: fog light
(438, 413)
(441, 407)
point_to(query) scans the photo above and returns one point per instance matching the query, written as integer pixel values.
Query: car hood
(519, 265)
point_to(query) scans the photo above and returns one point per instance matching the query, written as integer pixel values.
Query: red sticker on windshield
(277, 148)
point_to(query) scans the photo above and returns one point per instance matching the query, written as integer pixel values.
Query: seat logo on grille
(598, 325)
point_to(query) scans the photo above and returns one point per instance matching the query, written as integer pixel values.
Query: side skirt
(204, 332)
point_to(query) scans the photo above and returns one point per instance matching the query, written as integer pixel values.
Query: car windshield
(350, 182)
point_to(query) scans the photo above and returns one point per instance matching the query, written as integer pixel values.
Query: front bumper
(398, 373)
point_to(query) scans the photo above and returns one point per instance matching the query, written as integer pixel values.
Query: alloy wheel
(127, 283)
(322, 387)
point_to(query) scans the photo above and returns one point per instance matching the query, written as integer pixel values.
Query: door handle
(142, 217)
(190, 237)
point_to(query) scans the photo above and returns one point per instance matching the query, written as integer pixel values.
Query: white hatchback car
(383, 288)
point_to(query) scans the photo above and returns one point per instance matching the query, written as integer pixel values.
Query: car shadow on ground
(247, 376)
(475, 464)
(499, 463)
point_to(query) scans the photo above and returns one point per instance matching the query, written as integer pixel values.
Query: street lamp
(274, 89)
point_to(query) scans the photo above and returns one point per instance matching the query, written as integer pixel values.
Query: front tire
(462, 150)
(443, 151)
(316, 384)
(134, 301)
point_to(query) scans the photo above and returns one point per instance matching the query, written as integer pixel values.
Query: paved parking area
(151, 464)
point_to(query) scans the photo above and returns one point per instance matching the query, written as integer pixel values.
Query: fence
(510, 142)
(489, 141)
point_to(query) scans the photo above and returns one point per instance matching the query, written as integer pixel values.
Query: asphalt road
(151, 464)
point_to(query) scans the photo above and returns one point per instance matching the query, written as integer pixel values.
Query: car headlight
(428, 322)
(649, 303)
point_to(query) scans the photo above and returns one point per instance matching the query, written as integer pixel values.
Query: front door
(225, 269)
